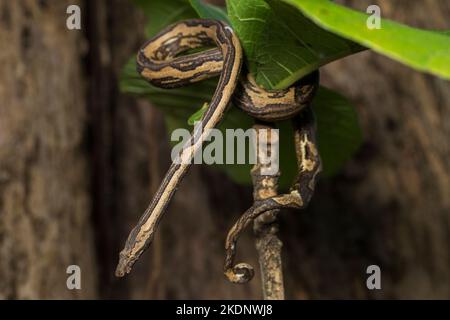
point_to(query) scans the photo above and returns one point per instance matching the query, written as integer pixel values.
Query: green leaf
(281, 44)
(421, 49)
(197, 116)
(162, 13)
(209, 11)
(338, 133)
(249, 20)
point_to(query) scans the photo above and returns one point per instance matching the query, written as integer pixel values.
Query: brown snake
(159, 61)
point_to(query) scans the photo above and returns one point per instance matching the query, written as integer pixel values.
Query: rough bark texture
(44, 188)
(72, 147)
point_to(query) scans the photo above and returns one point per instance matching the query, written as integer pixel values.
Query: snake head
(125, 263)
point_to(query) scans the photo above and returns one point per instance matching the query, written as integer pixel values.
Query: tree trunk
(80, 161)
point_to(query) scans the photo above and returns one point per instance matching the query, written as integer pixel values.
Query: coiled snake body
(159, 61)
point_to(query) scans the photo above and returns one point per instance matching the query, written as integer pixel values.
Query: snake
(171, 59)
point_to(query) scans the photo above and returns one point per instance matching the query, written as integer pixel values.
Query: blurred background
(79, 162)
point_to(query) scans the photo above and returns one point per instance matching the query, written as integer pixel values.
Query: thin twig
(268, 202)
(265, 226)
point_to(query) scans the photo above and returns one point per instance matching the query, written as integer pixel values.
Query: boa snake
(159, 62)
